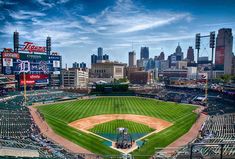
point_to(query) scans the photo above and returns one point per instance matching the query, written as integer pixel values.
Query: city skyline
(116, 26)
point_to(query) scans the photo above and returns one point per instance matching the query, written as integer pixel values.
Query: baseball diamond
(59, 116)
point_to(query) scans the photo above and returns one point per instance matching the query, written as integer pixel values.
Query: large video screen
(34, 64)
(37, 66)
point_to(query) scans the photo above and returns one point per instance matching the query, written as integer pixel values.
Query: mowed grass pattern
(60, 114)
(111, 127)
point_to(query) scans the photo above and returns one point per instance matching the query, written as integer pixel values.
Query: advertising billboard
(7, 62)
(55, 64)
(219, 55)
(8, 59)
(10, 55)
(34, 79)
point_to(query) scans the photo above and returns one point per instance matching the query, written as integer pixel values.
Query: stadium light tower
(212, 46)
(197, 46)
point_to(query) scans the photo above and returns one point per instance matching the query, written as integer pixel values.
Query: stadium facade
(43, 68)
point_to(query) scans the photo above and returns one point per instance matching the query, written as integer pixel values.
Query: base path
(48, 132)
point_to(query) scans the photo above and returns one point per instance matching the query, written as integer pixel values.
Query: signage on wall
(34, 79)
(10, 55)
(56, 64)
(7, 62)
(24, 66)
(28, 46)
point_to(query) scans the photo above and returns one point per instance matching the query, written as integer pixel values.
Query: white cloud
(45, 3)
(9, 28)
(121, 45)
(51, 3)
(6, 2)
(21, 15)
(89, 20)
(150, 39)
(126, 17)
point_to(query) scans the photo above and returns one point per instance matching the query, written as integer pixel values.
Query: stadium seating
(14, 124)
(18, 130)
(217, 129)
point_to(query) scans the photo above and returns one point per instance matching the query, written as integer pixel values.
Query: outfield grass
(60, 114)
(111, 127)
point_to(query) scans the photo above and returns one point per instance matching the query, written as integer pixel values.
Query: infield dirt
(89, 122)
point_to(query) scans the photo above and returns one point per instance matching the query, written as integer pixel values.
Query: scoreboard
(38, 67)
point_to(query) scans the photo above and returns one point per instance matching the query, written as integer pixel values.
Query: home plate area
(122, 132)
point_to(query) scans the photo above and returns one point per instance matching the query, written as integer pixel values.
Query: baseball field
(169, 121)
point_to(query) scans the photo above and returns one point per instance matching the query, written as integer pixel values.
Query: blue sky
(79, 27)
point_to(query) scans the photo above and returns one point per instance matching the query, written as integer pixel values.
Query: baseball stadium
(62, 124)
(150, 108)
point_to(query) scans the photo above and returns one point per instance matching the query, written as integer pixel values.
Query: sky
(79, 27)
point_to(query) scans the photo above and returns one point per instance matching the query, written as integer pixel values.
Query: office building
(100, 53)
(144, 53)
(94, 59)
(190, 54)
(164, 65)
(75, 65)
(233, 66)
(177, 56)
(106, 57)
(132, 59)
(223, 51)
(150, 64)
(161, 56)
(181, 64)
(74, 78)
(108, 70)
(82, 65)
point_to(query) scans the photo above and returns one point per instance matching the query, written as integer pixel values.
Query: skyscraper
(94, 59)
(161, 56)
(132, 59)
(106, 57)
(223, 51)
(83, 65)
(144, 53)
(179, 54)
(190, 54)
(100, 53)
(75, 65)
